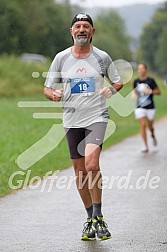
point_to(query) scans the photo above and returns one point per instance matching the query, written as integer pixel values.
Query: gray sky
(113, 3)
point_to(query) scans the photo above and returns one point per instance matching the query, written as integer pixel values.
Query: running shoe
(144, 149)
(100, 227)
(88, 233)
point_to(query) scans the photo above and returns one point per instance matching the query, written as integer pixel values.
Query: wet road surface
(32, 221)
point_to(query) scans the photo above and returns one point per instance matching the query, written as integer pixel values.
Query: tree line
(40, 26)
(153, 41)
(36, 26)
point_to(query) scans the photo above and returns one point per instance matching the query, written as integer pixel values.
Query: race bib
(82, 86)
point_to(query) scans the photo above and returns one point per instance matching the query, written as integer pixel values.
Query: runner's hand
(106, 92)
(148, 91)
(57, 95)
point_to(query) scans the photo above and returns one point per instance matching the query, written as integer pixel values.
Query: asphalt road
(32, 221)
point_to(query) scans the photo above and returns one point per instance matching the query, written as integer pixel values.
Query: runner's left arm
(113, 77)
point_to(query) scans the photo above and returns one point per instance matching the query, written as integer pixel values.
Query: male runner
(81, 70)
(145, 87)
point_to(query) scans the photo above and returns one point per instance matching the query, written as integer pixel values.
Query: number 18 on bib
(81, 86)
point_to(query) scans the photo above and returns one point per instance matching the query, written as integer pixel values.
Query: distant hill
(135, 16)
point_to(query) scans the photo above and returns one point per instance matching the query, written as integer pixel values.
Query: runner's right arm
(55, 95)
(52, 80)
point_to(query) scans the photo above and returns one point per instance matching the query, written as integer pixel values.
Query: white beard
(81, 42)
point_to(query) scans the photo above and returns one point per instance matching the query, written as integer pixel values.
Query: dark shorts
(78, 138)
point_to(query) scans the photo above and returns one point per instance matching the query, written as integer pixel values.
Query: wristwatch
(113, 90)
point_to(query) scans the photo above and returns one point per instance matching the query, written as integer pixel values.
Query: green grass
(16, 76)
(19, 130)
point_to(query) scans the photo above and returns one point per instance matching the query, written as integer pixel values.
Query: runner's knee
(91, 165)
(150, 125)
(143, 124)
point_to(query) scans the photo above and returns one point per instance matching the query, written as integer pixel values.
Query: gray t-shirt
(81, 80)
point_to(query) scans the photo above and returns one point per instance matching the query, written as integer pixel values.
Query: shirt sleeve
(112, 72)
(153, 84)
(54, 75)
(134, 84)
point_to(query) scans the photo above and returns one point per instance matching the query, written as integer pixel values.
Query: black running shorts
(78, 138)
